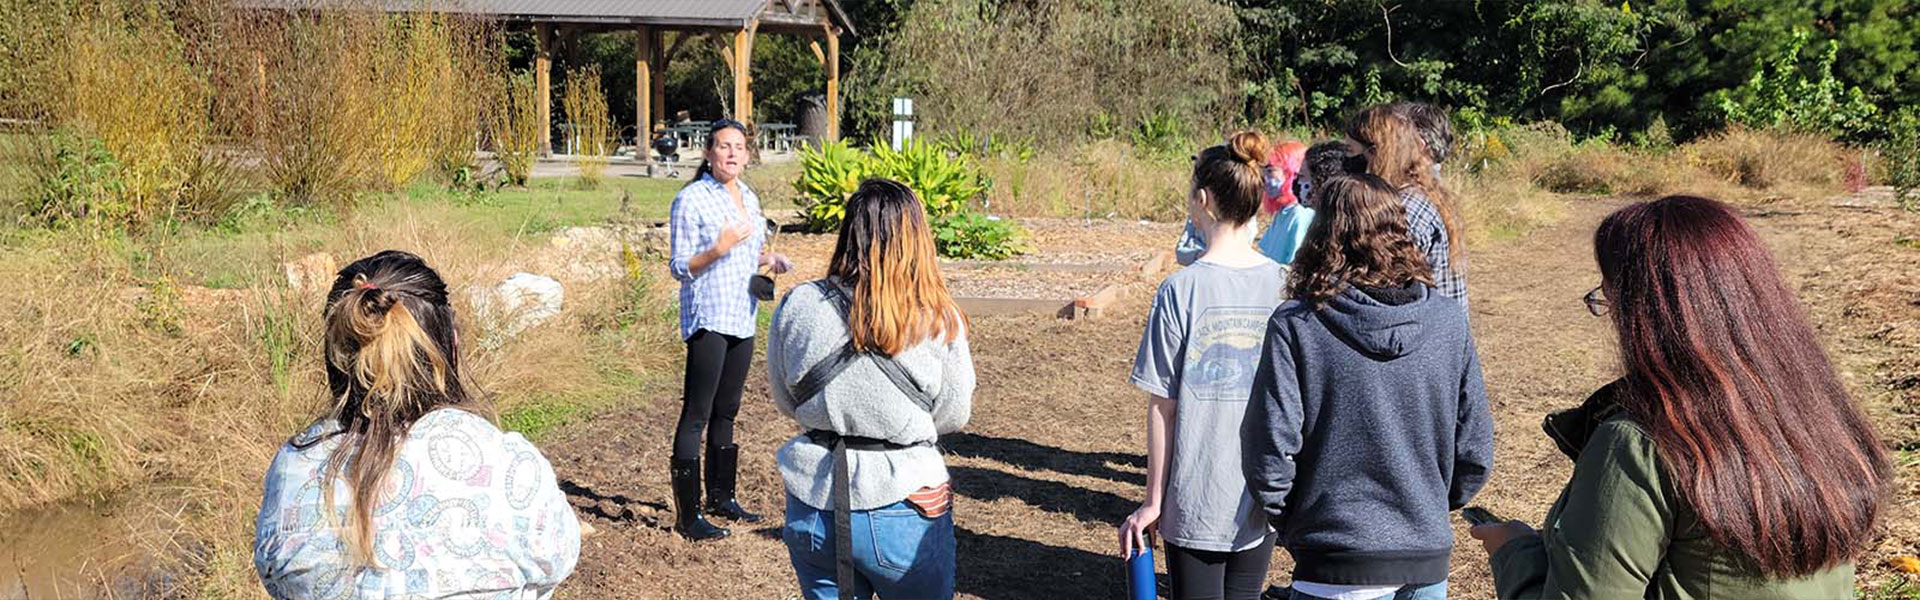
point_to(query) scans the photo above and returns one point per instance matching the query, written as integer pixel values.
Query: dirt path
(1052, 461)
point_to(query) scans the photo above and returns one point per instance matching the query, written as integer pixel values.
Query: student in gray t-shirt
(1197, 359)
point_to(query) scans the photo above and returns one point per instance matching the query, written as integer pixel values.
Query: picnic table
(777, 136)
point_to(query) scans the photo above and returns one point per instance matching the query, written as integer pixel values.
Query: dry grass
(156, 379)
(322, 106)
(589, 126)
(513, 126)
(1102, 179)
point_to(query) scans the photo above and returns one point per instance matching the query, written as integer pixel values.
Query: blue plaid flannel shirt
(716, 299)
(1429, 233)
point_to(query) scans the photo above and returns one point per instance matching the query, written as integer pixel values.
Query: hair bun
(1249, 147)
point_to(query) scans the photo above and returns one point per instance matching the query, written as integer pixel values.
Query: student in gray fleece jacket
(909, 381)
(1368, 422)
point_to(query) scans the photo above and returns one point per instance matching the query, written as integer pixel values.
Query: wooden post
(642, 87)
(259, 92)
(742, 74)
(833, 85)
(543, 82)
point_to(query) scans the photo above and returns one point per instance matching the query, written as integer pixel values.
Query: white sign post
(902, 122)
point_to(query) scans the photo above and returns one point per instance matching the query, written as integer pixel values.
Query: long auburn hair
(1358, 237)
(1395, 152)
(391, 358)
(1723, 369)
(885, 254)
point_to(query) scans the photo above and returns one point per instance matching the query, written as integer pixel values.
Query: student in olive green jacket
(1729, 461)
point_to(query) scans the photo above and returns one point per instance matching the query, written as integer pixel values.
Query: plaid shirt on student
(1429, 233)
(716, 299)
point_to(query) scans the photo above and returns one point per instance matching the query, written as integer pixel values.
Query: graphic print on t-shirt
(1223, 352)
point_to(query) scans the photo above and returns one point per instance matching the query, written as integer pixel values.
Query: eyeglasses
(1596, 302)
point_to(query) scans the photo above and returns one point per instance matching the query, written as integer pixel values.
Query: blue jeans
(896, 552)
(1431, 591)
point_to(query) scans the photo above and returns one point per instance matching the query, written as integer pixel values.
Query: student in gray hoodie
(1368, 422)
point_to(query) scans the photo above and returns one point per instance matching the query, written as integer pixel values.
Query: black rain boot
(723, 464)
(686, 503)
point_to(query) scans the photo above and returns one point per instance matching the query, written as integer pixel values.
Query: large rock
(311, 272)
(522, 301)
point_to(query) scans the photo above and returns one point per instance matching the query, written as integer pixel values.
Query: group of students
(1315, 387)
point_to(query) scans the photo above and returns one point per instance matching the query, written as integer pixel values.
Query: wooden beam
(643, 56)
(742, 61)
(543, 82)
(818, 54)
(833, 85)
(259, 91)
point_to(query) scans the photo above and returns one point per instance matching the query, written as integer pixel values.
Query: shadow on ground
(1041, 457)
(994, 567)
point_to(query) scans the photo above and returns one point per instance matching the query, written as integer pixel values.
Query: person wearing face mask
(718, 243)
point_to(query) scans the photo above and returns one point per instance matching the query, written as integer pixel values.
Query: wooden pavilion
(728, 24)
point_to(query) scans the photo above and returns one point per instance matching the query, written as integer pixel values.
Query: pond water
(102, 549)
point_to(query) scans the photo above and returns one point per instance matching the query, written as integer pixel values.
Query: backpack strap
(816, 378)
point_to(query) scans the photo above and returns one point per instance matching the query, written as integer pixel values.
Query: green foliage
(1782, 93)
(1160, 133)
(76, 179)
(1901, 152)
(1585, 63)
(947, 182)
(828, 177)
(974, 236)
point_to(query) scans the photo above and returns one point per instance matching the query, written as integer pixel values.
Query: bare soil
(1053, 459)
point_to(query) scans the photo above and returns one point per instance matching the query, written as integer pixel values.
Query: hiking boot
(723, 464)
(686, 503)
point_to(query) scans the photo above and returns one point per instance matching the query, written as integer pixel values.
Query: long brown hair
(1235, 175)
(885, 253)
(1746, 412)
(1358, 237)
(391, 359)
(1396, 153)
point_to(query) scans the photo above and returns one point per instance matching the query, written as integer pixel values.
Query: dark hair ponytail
(706, 168)
(1235, 173)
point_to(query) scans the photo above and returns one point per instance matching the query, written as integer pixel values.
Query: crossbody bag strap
(810, 386)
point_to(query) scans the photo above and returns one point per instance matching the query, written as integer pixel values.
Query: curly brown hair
(1358, 237)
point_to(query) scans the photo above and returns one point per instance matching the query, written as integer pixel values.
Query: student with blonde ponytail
(405, 487)
(1196, 363)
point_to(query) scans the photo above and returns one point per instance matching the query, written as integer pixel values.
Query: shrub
(947, 184)
(1901, 157)
(1764, 160)
(1782, 94)
(514, 126)
(74, 179)
(590, 127)
(1046, 70)
(829, 175)
(971, 235)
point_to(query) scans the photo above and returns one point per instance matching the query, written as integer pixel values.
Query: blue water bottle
(1140, 583)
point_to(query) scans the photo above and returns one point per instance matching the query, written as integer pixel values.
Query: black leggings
(716, 374)
(1204, 575)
